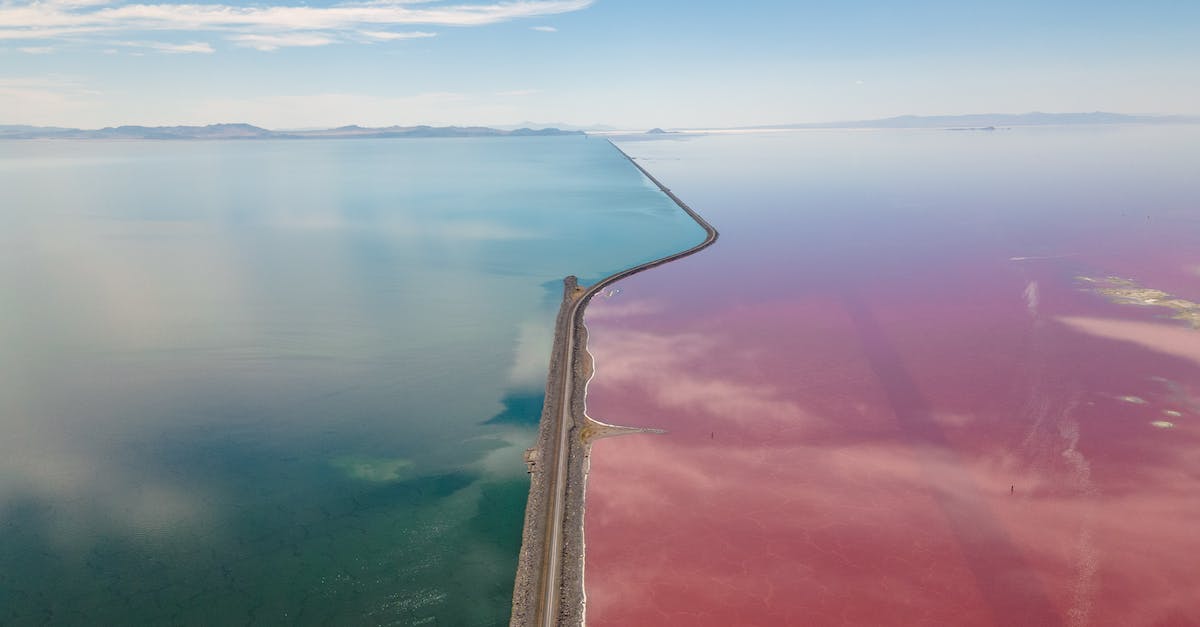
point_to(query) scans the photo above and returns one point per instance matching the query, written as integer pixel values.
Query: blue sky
(626, 63)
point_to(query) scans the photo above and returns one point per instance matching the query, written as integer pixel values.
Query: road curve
(549, 579)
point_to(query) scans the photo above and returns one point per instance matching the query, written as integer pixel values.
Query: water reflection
(248, 381)
(891, 398)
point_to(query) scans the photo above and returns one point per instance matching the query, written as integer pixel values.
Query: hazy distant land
(973, 122)
(982, 121)
(248, 131)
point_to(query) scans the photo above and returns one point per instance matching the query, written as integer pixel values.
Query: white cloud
(195, 47)
(544, 29)
(518, 92)
(268, 43)
(37, 49)
(76, 3)
(258, 25)
(384, 35)
(35, 33)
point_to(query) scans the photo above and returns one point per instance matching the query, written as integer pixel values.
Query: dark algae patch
(520, 408)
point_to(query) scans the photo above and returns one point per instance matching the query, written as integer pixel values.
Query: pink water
(875, 415)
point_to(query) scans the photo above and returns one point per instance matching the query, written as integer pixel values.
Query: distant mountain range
(982, 120)
(566, 126)
(247, 131)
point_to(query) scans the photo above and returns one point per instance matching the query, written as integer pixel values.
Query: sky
(622, 63)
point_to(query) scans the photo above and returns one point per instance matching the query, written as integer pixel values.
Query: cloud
(265, 27)
(382, 35)
(518, 92)
(1169, 339)
(845, 496)
(37, 49)
(811, 500)
(544, 29)
(528, 370)
(34, 33)
(196, 47)
(76, 3)
(269, 43)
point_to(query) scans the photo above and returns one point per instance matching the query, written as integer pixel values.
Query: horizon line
(601, 127)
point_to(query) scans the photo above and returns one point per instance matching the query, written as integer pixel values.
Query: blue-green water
(287, 382)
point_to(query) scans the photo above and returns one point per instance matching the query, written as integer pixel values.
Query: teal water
(287, 382)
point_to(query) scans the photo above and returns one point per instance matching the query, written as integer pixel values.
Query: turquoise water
(287, 382)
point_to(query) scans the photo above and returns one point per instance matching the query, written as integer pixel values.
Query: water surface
(287, 382)
(921, 379)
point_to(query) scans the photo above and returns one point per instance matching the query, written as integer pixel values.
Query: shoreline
(548, 589)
